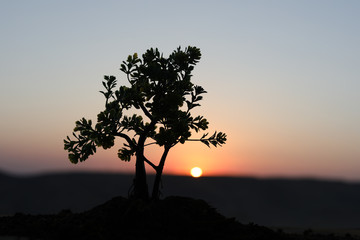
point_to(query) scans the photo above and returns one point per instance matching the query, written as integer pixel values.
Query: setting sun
(196, 172)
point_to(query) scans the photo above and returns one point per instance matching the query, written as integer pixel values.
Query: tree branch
(159, 170)
(194, 140)
(127, 76)
(143, 108)
(127, 138)
(150, 163)
(146, 112)
(149, 144)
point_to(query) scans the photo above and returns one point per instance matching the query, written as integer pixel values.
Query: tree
(161, 93)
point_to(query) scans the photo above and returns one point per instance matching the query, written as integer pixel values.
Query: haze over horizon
(282, 79)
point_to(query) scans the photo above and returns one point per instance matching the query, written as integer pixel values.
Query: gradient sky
(283, 81)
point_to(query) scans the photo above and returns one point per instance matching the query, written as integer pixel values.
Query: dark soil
(120, 218)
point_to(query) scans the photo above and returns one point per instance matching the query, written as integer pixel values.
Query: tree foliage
(162, 94)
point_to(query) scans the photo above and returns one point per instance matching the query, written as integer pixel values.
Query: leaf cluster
(217, 139)
(86, 141)
(159, 87)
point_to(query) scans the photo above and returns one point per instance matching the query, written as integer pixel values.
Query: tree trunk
(156, 187)
(140, 184)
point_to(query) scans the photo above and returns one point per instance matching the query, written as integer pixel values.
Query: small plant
(161, 90)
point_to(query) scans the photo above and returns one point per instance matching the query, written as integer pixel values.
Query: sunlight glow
(196, 172)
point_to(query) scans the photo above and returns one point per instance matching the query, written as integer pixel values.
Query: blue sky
(282, 80)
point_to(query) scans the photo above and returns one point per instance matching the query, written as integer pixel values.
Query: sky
(282, 77)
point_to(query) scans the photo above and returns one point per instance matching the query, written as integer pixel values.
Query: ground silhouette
(122, 218)
(283, 203)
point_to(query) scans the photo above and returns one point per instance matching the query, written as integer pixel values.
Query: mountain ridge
(269, 202)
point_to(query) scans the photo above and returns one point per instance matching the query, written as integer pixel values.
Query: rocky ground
(121, 218)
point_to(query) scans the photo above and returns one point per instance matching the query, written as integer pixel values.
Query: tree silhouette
(161, 91)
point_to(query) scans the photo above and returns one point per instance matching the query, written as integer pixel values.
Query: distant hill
(302, 203)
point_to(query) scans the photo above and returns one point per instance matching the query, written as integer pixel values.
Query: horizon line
(107, 172)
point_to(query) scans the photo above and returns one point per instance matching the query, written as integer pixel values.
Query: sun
(196, 172)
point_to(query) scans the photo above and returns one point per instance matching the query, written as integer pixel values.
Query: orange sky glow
(282, 79)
